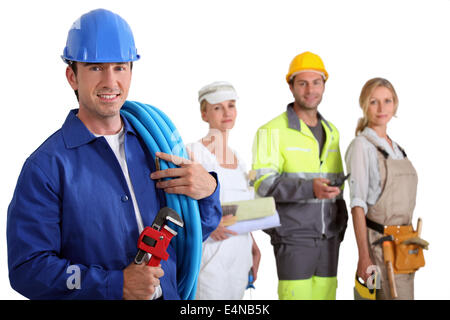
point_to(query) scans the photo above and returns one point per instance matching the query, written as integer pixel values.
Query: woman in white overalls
(383, 185)
(227, 257)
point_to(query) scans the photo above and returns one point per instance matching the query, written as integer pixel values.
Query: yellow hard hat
(306, 61)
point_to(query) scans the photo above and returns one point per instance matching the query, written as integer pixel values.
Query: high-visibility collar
(294, 121)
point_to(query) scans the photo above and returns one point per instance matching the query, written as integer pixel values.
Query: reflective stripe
(263, 185)
(297, 149)
(315, 200)
(266, 177)
(323, 216)
(323, 202)
(263, 171)
(313, 175)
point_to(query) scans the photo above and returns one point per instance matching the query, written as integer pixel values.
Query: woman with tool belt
(227, 257)
(383, 186)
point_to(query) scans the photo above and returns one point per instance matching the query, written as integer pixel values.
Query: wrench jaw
(176, 220)
(164, 215)
(170, 230)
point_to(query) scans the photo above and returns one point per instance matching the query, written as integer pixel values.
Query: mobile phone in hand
(339, 182)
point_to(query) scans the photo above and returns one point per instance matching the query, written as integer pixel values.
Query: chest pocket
(300, 159)
(332, 158)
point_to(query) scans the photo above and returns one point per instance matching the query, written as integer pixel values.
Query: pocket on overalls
(409, 257)
(408, 250)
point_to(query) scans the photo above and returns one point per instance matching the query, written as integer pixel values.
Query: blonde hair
(364, 98)
(203, 105)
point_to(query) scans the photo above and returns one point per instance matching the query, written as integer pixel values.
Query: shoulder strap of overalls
(402, 150)
(382, 150)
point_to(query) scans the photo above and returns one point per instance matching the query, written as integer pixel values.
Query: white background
(187, 44)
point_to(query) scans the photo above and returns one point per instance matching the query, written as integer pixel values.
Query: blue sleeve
(36, 262)
(210, 210)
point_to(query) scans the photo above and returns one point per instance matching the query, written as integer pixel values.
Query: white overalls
(225, 264)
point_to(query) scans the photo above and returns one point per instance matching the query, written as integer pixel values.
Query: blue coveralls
(72, 206)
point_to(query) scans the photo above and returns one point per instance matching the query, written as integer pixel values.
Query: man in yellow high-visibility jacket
(297, 159)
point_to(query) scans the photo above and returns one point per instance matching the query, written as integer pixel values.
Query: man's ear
(291, 86)
(71, 78)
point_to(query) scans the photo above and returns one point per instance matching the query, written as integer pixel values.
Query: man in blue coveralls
(84, 195)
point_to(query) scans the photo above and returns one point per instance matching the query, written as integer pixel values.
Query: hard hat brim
(323, 74)
(67, 60)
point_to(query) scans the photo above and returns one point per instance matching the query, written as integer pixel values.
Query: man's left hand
(190, 179)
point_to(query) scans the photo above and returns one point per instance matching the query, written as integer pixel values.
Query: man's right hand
(190, 179)
(323, 191)
(140, 281)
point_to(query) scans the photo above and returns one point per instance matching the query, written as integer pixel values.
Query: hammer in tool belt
(156, 239)
(387, 243)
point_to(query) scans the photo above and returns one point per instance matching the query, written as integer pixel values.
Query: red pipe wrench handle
(155, 242)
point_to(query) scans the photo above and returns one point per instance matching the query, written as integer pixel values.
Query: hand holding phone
(339, 182)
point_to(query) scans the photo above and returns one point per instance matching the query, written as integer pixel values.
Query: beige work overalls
(395, 206)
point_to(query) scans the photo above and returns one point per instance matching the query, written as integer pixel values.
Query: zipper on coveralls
(322, 205)
(323, 200)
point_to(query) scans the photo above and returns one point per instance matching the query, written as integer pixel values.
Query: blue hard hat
(100, 36)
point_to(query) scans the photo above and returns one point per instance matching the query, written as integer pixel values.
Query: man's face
(307, 89)
(102, 88)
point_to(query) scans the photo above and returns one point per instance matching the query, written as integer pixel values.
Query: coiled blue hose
(160, 135)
